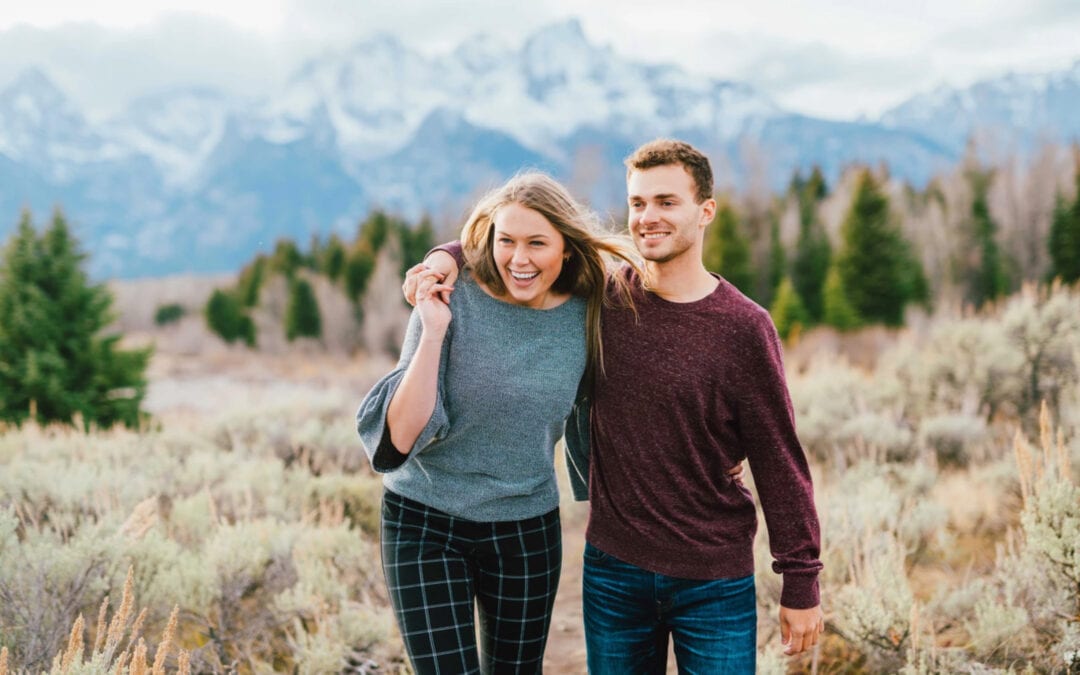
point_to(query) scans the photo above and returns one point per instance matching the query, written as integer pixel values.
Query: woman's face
(528, 253)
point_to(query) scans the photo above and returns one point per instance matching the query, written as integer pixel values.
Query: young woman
(464, 430)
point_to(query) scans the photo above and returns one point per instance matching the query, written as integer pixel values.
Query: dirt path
(182, 385)
(565, 653)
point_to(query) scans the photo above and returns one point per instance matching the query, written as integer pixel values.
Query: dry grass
(241, 408)
(110, 634)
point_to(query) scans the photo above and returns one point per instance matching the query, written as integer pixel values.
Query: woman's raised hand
(434, 311)
(440, 266)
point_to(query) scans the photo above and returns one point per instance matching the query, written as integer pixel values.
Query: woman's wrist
(433, 335)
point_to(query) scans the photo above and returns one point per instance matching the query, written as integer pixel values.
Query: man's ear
(708, 211)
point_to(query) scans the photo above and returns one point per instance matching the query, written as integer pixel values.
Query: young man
(693, 383)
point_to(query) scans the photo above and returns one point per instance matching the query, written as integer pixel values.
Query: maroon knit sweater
(689, 391)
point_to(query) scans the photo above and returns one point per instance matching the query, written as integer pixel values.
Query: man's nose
(649, 214)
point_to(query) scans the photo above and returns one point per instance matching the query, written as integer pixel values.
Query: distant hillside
(197, 180)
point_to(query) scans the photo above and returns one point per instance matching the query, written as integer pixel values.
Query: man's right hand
(436, 275)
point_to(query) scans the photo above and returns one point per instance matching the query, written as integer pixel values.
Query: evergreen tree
(415, 243)
(812, 249)
(55, 363)
(358, 268)
(813, 254)
(777, 269)
(250, 282)
(286, 258)
(374, 230)
(225, 316)
(879, 273)
(332, 258)
(726, 250)
(314, 256)
(302, 318)
(809, 194)
(787, 310)
(1064, 240)
(985, 279)
(836, 308)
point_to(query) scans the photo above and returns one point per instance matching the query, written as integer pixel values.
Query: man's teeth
(654, 235)
(523, 276)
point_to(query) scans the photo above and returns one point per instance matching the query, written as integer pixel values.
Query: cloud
(432, 26)
(842, 60)
(103, 68)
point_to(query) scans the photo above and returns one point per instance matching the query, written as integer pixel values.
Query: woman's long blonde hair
(584, 273)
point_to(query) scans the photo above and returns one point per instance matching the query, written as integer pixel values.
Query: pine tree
(836, 308)
(787, 310)
(332, 258)
(1064, 240)
(251, 280)
(358, 269)
(225, 316)
(810, 193)
(55, 363)
(879, 273)
(813, 252)
(986, 278)
(777, 270)
(374, 230)
(726, 250)
(286, 258)
(302, 318)
(415, 243)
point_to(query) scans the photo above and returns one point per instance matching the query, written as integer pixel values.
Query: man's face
(665, 222)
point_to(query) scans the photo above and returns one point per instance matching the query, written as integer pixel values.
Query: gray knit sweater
(508, 376)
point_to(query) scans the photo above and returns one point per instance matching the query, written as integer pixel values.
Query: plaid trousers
(438, 565)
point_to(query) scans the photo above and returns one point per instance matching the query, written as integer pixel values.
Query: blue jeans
(629, 613)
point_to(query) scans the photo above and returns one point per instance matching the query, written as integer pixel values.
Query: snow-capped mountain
(41, 128)
(176, 129)
(199, 180)
(1024, 109)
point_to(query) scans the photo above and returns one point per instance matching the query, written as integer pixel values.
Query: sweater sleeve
(454, 248)
(371, 416)
(577, 443)
(781, 471)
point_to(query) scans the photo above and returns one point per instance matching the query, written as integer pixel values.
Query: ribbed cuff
(800, 591)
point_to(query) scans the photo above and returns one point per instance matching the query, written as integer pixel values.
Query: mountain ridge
(198, 180)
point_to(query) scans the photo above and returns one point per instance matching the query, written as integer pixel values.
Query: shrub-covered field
(249, 509)
(946, 478)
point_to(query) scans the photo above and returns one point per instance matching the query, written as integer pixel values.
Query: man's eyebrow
(665, 195)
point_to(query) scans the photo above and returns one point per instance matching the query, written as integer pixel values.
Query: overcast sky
(837, 58)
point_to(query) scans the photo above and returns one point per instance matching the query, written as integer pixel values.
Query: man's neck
(676, 281)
